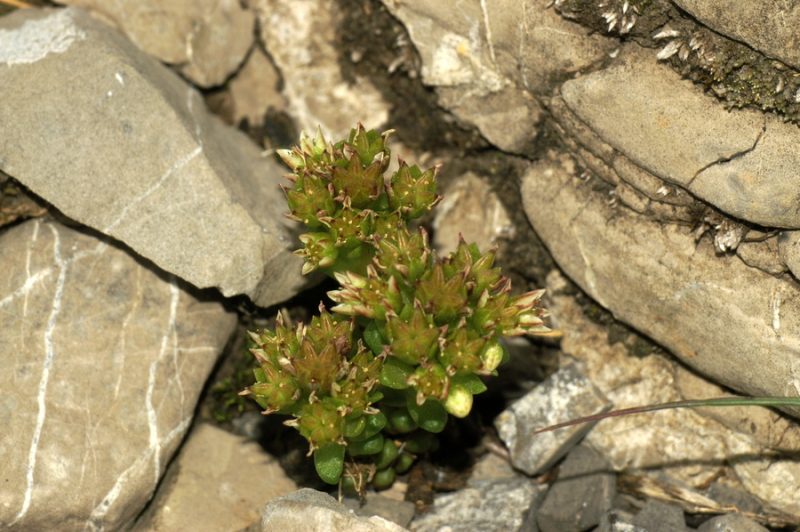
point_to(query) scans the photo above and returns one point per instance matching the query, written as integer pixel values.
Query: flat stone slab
(741, 161)
(218, 481)
(118, 142)
(101, 364)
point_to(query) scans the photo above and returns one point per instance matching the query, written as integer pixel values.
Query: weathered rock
(255, 89)
(300, 36)
(739, 161)
(762, 254)
(207, 38)
(582, 494)
(308, 509)
(715, 313)
(766, 26)
(218, 481)
(135, 156)
(730, 523)
(618, 521)
(488, 62)
(657, 516)
(491, 506)
(492, 467)
(565, 395)
(789, 250)
(681, 444)
(471, 209)
(397, 511)
(102, 364)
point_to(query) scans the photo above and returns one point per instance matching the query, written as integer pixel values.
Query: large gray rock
(715, 313)
(118, 142)
(306, 510)
(102, 361)
(742, 162)
(207, 39)
(488, 60)
(218, 481)
(766, 25)
(300, 36)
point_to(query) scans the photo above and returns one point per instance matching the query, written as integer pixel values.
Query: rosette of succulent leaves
(370, 381)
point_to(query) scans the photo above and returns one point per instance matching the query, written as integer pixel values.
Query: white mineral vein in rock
(98, 514)
(35, 39)
(49, 355)
(180, 163)
(152, 416)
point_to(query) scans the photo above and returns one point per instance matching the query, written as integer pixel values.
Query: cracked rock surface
(116, 141)
(102, 364)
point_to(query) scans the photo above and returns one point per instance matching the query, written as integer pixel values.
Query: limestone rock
(715, 313)
(489, 62)
(583, 493)
(255, 89)
(208, 39)
(565, 395)
(687, 447)
(486, 505)
(130, 151)
(218, 481)
(765, 25)
(471, 209)
(762, 254)
(789, 250)
(308, 509)
(739, 161)
(102, 364)
(300, 35)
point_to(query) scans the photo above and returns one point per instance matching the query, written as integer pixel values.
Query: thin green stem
(691, 403)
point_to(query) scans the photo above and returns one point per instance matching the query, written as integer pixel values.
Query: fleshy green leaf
(431, 416)
(329, 462)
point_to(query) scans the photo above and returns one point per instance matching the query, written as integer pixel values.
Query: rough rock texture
(582, 494)
(255, 89)
(299, 35)
(687, 447)
(715, 313)
(765, 25)
(308, 509)
(395, 510)
(218, 481)
(739, 161)
(565, 395)
(789, 250)
(118, 142)
(657, 516)
(208, 39)
(486, 505)
(471, 209)
(730, 523)
(102, 363)
(488, 61)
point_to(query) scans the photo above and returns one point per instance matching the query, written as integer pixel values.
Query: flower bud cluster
(410, 335)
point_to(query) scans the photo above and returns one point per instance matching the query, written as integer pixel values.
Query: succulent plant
(371, 380)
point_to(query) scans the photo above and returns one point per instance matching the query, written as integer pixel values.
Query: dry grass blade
(16, 3)
(694, 502)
